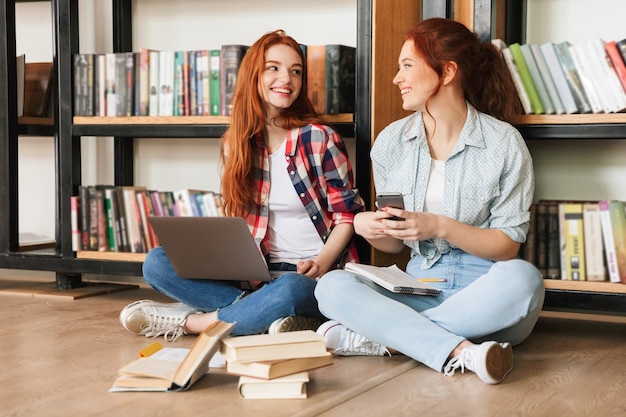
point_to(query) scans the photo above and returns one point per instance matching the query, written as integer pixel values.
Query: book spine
(192, 82)
(153, 105)
(541, 248)
(558, 77)
(619, 65)
(618, 226)
(585, 78)
(83, 193)
(316, 77)
(74, 217)
(206, 83)
(166, 83)
(340, 74)
(144, 82)
(230, 60)
(529, 85)
(109, 202)
(553, 256)
(538, 81)
(517, 80)
(571, 76)
(594, 251)
(214, 84)
(547, 78)
(100, 107)
(609, 244)
(574, 243)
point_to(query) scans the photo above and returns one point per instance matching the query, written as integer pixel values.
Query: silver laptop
(219, 248)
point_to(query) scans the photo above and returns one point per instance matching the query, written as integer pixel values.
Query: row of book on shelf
(578, 240)
(109, 218)
(197, 82)
(567, 78)
(267, 365)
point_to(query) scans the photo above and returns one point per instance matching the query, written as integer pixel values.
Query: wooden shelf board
(570, 119)
(112, 256)
(32, 120)
(49, 290)
(587, 286)
(182, 120)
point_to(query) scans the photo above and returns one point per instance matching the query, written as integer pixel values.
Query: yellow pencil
(432, 280)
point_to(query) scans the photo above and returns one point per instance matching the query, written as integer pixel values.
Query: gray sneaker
(293, 324)
(153, 319)
(345, 342)
(490, 361)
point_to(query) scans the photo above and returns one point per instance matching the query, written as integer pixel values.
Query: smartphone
(393, 199)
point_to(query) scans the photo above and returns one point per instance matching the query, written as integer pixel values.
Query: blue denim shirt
(489, 179)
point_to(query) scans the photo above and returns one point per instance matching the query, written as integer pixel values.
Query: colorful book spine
(618, 226)
(214, 84)
(571, 75)
(535, 74)
(574, 243)
(524, 73)
(230, 60)
(617, 60)
(594, 248)
(609, 243)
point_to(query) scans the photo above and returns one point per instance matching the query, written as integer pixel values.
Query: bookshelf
(380, 26)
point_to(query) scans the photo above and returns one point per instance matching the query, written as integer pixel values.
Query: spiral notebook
(392, 278)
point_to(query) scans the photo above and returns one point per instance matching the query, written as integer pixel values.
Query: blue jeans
(481, 300)
(288, 295)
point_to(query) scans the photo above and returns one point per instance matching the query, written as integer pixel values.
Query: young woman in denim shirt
(467, 182)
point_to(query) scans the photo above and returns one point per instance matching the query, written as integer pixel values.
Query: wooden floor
(59, 357)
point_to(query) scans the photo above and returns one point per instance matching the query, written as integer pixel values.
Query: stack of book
(274, 365)
(567, 78)
(578, 240)
(109, 218)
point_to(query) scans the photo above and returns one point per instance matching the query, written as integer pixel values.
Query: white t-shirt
(434, 191)
(291, 236)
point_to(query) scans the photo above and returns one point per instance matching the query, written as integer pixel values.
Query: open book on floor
(173, 369)
(392, 278)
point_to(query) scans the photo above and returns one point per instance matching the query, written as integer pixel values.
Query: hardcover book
(286, 387)
(524, 73)
(618, 226)
(537, 78)
(574, 243)
(340, 79)
(517, 80)
(266, 347)
(571, 76)
(558, 77)
(277, 368)
(214, 82)
(173, 372)
(617, 60)
(316, 76)
(609, 243)
(546, 76)
(594, 248)
(230, 60)
(585, 75)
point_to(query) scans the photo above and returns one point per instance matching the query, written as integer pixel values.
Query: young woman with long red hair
(288, 175)
(466, 177)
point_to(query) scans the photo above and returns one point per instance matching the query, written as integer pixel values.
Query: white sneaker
(491, 361)
(294, 323)
(344, 342)
(153, 319)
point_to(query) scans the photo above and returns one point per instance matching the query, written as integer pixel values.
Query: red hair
(248, 118)
(484, 76)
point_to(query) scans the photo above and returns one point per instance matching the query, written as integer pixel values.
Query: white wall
(589, 169)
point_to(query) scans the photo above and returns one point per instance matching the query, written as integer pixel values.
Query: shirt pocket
(476, 202)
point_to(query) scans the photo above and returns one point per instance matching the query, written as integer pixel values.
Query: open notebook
(392, 278)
